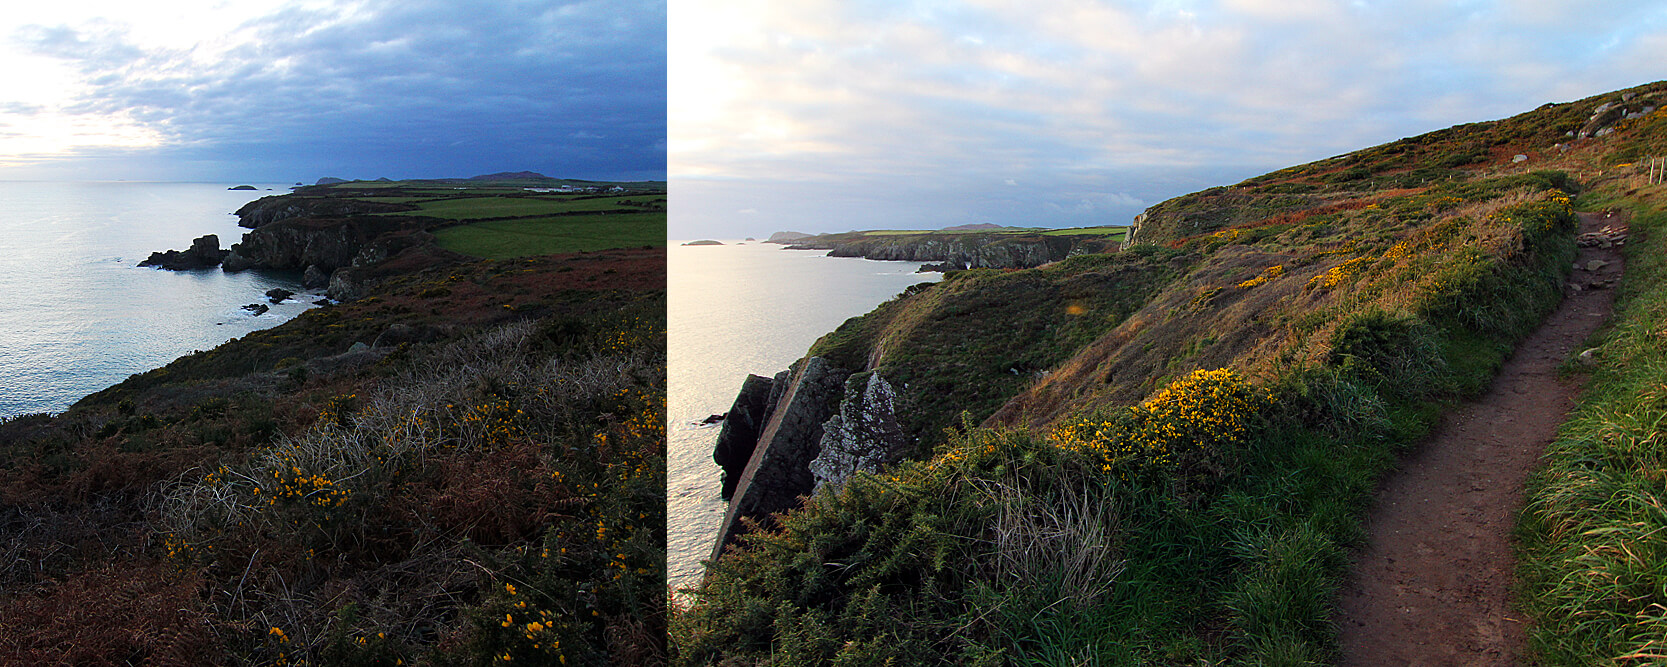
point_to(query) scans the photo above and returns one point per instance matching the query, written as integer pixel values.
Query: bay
(736, 309)
(77, 314)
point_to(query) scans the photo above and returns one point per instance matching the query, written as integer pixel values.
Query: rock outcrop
(347, 283)
(204, 253)
(864, 435)
(315, 277)
(741, 427)
(778, 471)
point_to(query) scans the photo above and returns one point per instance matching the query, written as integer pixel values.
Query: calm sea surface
(76, 312)
(734, 310)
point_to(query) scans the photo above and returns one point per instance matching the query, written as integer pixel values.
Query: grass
(474, 207)
(1593, 534)
(520, 238)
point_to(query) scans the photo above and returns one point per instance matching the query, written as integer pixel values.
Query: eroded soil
(1432, 586)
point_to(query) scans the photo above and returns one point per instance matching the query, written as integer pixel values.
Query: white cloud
(953, 97)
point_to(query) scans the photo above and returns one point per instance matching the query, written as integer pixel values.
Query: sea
(739, 308)
(77, 313)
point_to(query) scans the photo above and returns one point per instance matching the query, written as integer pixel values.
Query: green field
(504, 239)
(473, 208)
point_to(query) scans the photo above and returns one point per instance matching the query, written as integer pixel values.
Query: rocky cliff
(778, 471)
(975, 250)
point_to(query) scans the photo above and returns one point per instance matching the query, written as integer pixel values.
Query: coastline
(713, 350)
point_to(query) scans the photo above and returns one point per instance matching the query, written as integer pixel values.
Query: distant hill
(787, 237)
(509, 176)
(973, 227)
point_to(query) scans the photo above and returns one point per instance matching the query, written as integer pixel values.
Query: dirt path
(1432, 585)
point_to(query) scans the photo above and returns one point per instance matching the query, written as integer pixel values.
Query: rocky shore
(338, 243)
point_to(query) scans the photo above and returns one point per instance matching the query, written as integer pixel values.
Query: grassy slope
(1190, 527)
(498, 454)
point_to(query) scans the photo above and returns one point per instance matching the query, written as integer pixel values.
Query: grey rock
(360, 346)
(779, 470)
(346, 284)
(257, 309)
(1595, 264)
(315, 277)
(741, 427)
(863, 436)
(1519, 158)
(277, 295)
(236, 262)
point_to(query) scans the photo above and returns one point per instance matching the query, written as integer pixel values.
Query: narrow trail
(1432, 586)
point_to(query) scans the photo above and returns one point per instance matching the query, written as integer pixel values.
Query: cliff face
(329, 243)
(778, 470)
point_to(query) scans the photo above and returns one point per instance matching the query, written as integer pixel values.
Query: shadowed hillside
(464, 465)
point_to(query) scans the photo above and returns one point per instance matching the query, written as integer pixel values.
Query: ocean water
(734, 310)
(76, 312)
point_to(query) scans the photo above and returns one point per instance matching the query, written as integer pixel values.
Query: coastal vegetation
(1163, 455)
(463, 466)
(1594, 532)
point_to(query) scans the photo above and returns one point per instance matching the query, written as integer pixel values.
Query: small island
(242, 187)
(704, 242)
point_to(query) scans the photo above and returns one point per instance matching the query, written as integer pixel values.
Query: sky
(832, 115)
(293, 90)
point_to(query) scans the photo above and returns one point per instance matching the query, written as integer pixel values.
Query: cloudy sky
(286, 90)
(829, 115)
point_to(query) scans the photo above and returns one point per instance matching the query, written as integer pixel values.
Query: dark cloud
(399, 88)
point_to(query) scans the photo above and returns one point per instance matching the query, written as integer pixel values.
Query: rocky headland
(953, 250)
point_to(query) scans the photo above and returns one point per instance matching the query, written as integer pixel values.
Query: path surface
(1432, 586)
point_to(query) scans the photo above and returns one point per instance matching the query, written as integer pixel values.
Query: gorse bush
(1187, 430)
(520, 474)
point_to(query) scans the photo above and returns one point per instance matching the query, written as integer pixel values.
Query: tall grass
(1593, 535)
